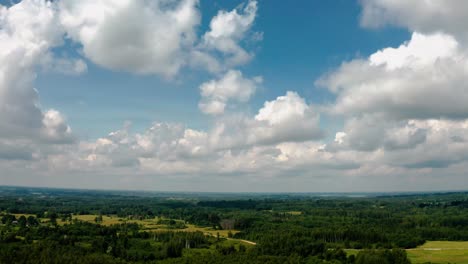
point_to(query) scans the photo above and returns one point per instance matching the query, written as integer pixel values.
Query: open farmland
(181, 228)
(153, 225)
(435, 252)
(440, 252)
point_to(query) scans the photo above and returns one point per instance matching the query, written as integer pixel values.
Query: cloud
(55, 128)
(227, 30)
(156, 37)
(285, 108)
(232, 86)
(418, 16)
(405, 137)
(236, 144)
(404, 107)
(28, 30)
(371, 132)
(67, 66)
(136, 36)
(444, 146)
(424, 78)
(164, 142)
(16, 150)
(286, 119)
(420, 52)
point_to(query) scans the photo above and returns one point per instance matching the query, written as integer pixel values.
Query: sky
(238, 96)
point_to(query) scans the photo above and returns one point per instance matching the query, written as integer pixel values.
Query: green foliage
(394, 256)
(286, 229)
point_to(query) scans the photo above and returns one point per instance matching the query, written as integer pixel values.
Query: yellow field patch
(445, 245)
(25, 215)
(350, 252)
(294, 212)
(282, 212)
(110, 220)
(152, 225)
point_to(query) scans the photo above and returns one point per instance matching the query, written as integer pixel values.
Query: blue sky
(252, 95)
(300, 43)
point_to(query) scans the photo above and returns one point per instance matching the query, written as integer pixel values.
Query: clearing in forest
(154, 225)
(440, 252)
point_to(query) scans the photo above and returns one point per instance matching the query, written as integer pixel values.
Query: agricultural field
(440, 252)
(131, 228)
(153, 225)
(435, 252)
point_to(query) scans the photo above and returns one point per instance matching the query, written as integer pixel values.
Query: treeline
(349, 223)
(291, 230)
(84, 243)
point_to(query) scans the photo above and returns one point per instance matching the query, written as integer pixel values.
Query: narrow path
(248, 242)
(234, 239)
(242, 240)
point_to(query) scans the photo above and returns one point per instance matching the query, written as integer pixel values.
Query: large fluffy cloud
(156, 37)
(27, 31)
(405, 107)
(288, 118)
(412, 144)
(137, 36)
(147, 37)
(424, 78)
(371, 132)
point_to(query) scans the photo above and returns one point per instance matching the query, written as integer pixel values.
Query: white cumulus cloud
(232, 86)
(227, 30)
(136, 36)
(28, 30)
(424, 78)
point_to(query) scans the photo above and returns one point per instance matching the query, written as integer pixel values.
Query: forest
(81, 226)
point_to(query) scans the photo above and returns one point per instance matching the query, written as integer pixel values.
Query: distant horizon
(235, 192)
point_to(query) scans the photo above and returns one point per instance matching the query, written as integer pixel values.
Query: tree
(22, 221)
(32, 221)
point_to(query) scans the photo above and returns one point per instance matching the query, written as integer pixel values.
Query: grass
(445, 245)
(106, 220)
(350, 252)
(288, 212)
(432, 251)
(25, 215)
(440, 252)
(435, 252)
(294, 212)
(152, 225)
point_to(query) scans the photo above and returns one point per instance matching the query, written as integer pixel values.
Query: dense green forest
(44, 226)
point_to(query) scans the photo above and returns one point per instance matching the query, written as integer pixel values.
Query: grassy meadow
(435, 252)
(149, 224)
(440, 252)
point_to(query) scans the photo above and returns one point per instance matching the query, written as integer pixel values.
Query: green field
(440, 252)
(147, 224)
(435, 252)
(152, 225)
